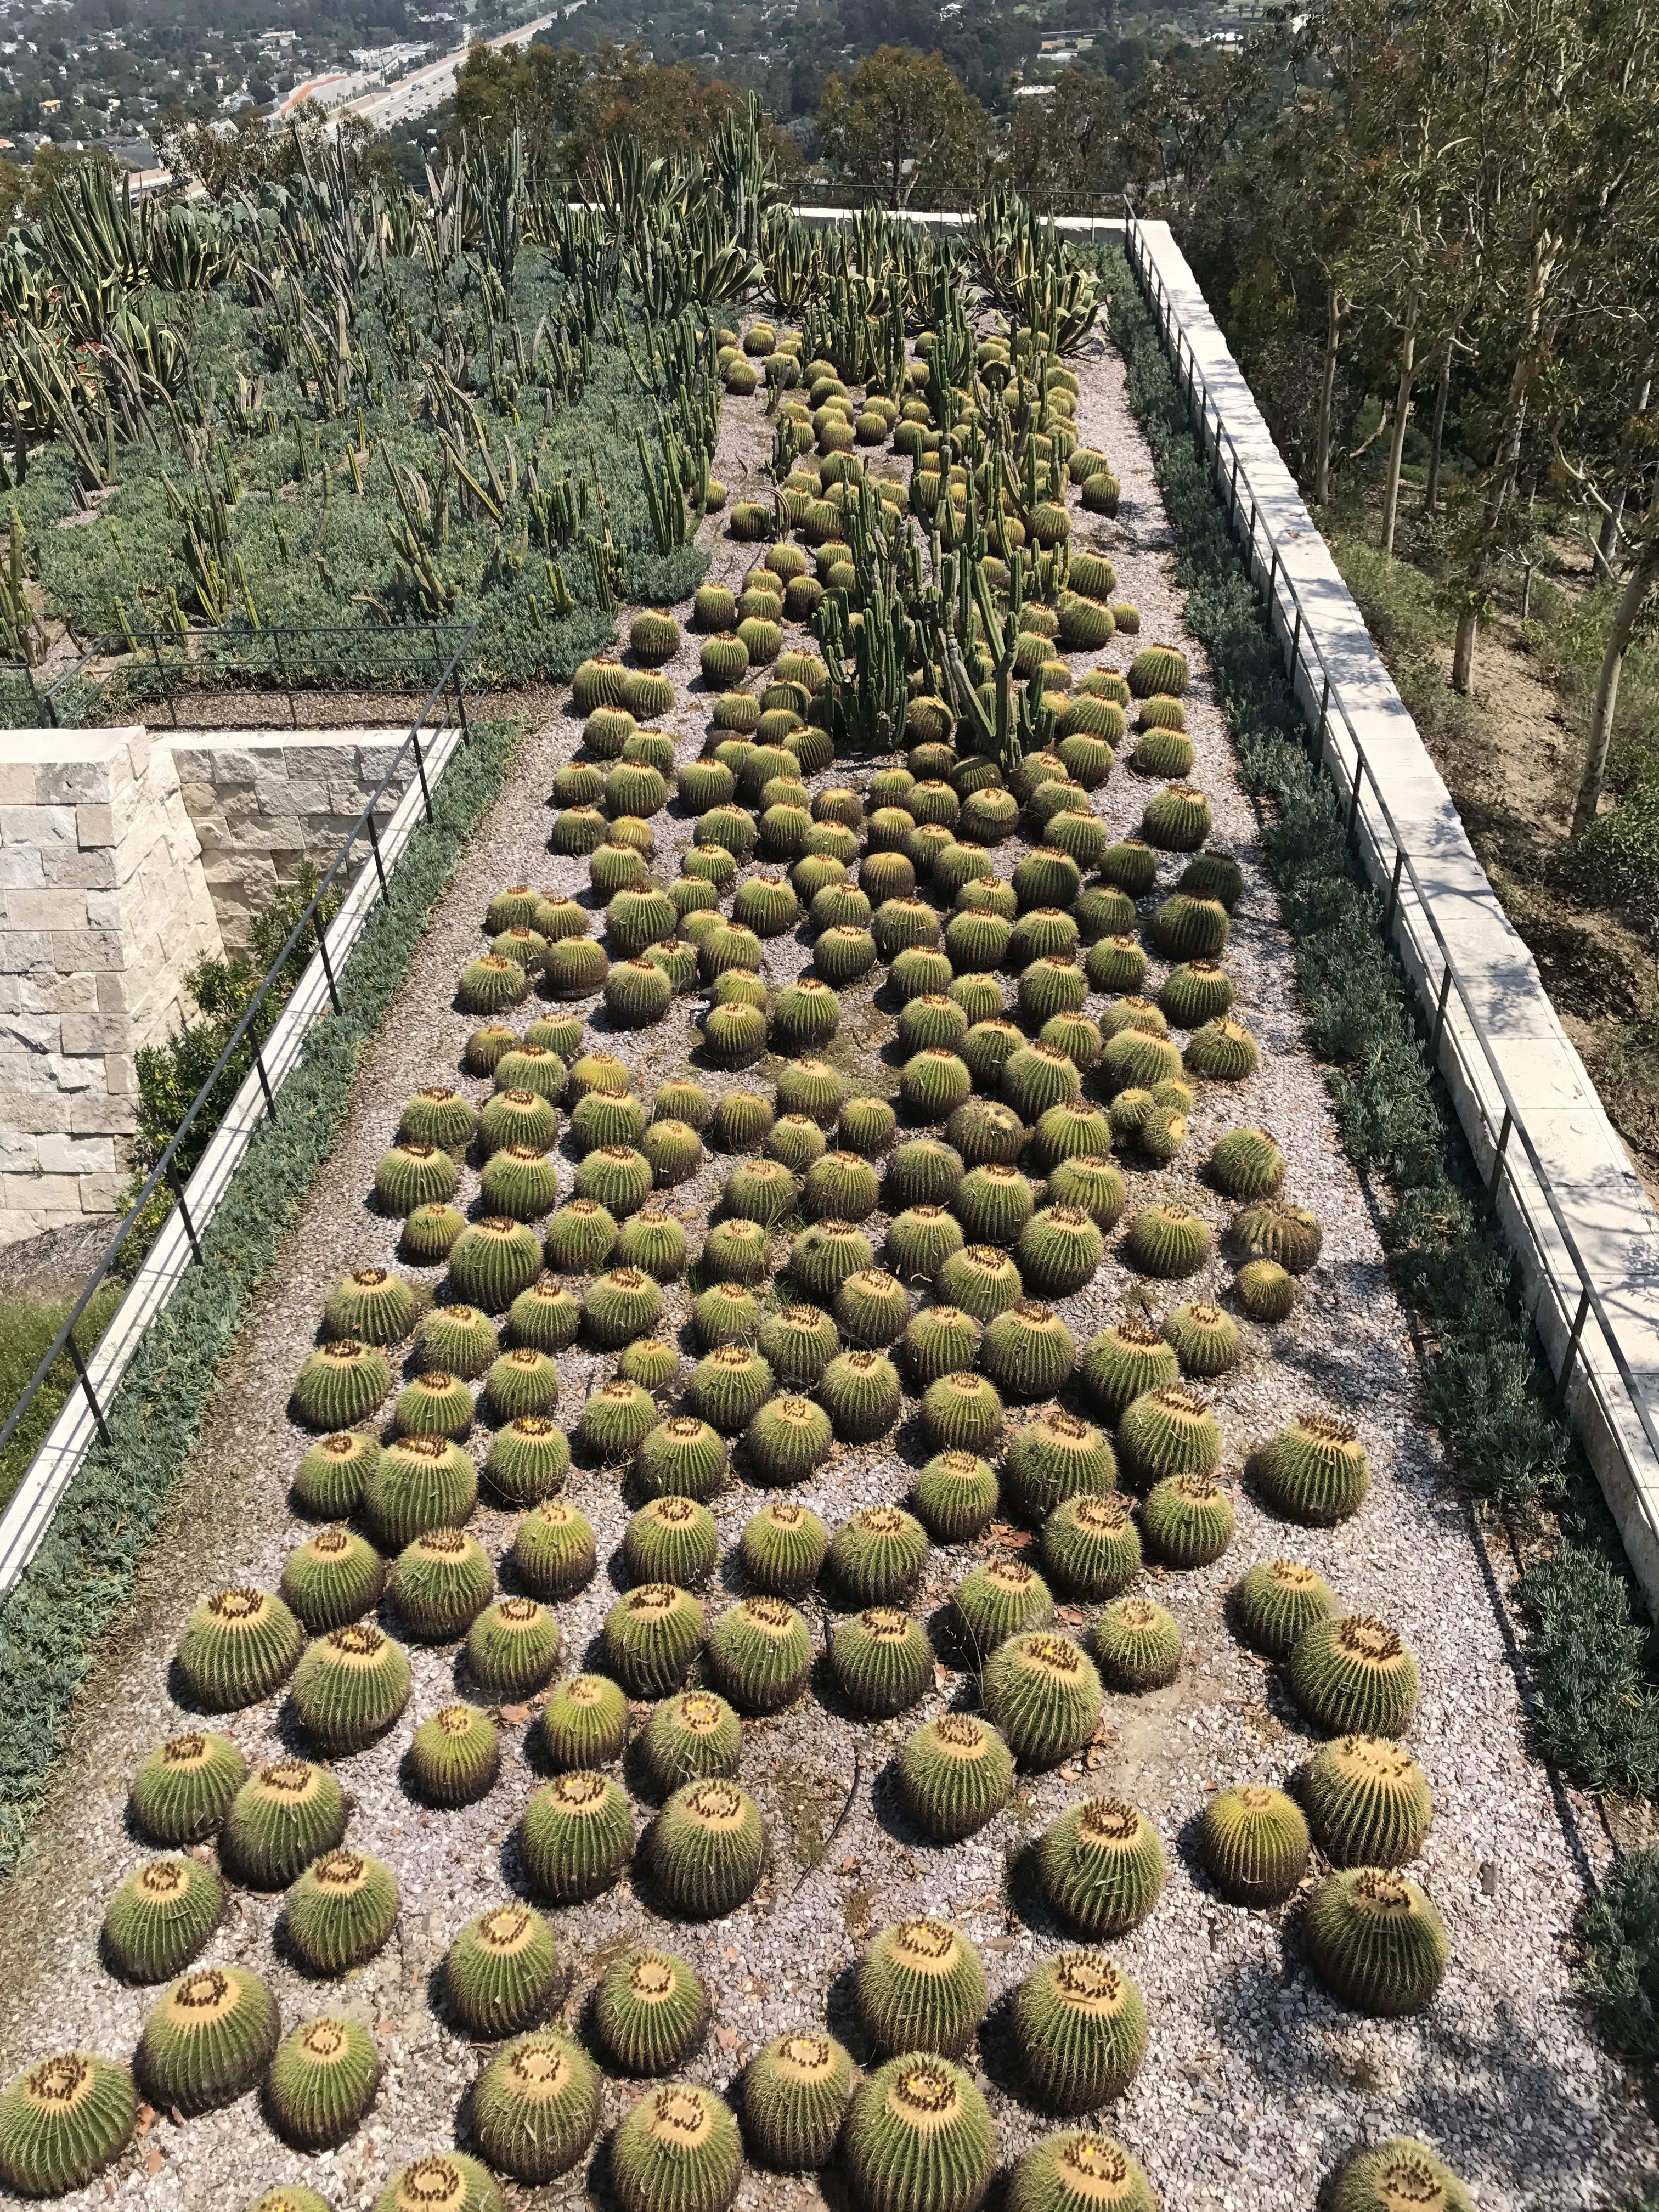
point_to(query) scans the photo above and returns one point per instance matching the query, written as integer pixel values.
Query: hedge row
(1594, 1706)
(84, 1569)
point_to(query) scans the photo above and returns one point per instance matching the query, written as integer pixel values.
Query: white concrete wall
(1568, 1198)
(104, 908)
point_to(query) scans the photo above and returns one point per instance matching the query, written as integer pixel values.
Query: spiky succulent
(940, 1340)
(323, 2079)
(341, 1910)
(1276, 1600)
(511, 1649)
(372, 1305)
(1265, 1290)
(1138, 1644)
(1185, 928)
(860, 1392)
(1080, 2024)
(64, 2120)
(1057, 1455)
(841, 1187)
(1092, 1185)
(728, 1389)
(1353, 1676)
(671, 1540)
(1205, 1340)
(725, 1313)
(340, 1383)
(1400, 2175)
(694, 1737)
(616, 1420)
(963, 1413)
(788, 1438)
(954, 1775)
(1169, 1430)
(160, 1917)
(878, 1556)
(211, 2038)
(1041, 1691)
(418, 1483)
(329, 1480)
(919, 2138)
(1080, 2172)
(1090, 1546)
(1102, 1866)
(920, 1984)
(237, 1647)
(458, 1340)
(882, 1661)
(335, 1577)
(350, 1685)
(920, 1240)
(536, 2107)
(980, 1281)
(707, 1844)
(796, 2092)
(436, 1404)
(799, 1343)
(1028, 1349)
(499, 1971)
(1115, 964)
(1039, 1075)
(554, 1552)
(993, 1203)
(183, 1789)
(1001, 1599)
(1314, 1471)
(759, 1652)
(651, 2012)
(576, 1837)
(1188, 1520)
(678, 2150)
(443, 2181)
(866, 1126)
(492, 1260)
(955, 1496)
(1254, 1842)
(652, 1636)
(454, 1756)
(1376, 1941)
(584, 1723)
(784, 1547)
(1368, 1801)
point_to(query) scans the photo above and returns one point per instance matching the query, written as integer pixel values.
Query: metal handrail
(1302, 644)
(165, 1169)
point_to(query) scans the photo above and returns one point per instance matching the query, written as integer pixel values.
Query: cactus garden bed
(871, 1864)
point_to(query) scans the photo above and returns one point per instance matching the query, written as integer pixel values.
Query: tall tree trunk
(1611, 521)
(1402, 407)
(1438, 436)
(1640, 581)
(1321, 487)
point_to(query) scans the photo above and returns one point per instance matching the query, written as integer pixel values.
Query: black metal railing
(1289, 626)
(447, 699)
(165, 667)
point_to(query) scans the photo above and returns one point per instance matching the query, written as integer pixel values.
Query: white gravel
(1256, 2083)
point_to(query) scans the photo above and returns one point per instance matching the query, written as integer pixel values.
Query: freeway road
(433, 83)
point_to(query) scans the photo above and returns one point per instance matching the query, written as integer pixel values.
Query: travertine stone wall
(262, 802)
(104, 909)
(124, 860)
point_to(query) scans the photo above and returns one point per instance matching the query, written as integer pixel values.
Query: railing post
(1498, 1151)
(287, 681)
(1574, 1341)
(328, 965)
(264, 1082)
(91, 1395)
(1438, 1029)
(1393, 907)
(175, 1183)
(1232, 496)
(420, 770)
(374, 848)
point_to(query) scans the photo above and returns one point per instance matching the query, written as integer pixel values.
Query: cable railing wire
(1307, 659)
(167, 1169)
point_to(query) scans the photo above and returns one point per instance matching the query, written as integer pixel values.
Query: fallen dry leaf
(727, 2038)
(1068, 1773)
(145, 2121)
(154, 2160)
(941, 1675)
(516, 1714)
(1074, 1614)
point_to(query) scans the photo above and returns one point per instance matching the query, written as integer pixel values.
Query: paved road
(433, 83)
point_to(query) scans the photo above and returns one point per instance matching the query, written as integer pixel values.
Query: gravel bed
(1255, 2081)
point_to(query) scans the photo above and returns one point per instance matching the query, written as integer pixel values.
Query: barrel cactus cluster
(774, 1246)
